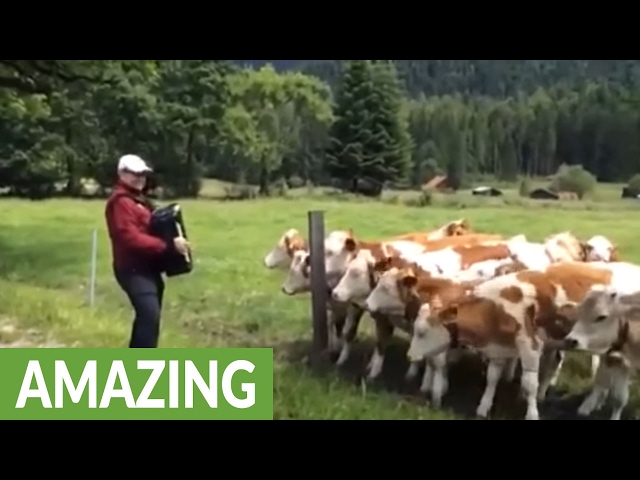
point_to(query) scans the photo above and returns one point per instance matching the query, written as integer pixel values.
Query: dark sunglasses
(136, 174)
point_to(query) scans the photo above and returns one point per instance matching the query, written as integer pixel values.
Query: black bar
(319, 291)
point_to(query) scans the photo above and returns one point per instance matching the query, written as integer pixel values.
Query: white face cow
(429, 338)
(599, 319)
(356, 284)
(600, 249)
(564, 247)
(298, 278)
(389, 295)
(338, 251)
(282, 253)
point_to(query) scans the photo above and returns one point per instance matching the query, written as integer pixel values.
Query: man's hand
(181, 244)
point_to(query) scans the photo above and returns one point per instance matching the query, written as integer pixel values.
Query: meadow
(230, 299)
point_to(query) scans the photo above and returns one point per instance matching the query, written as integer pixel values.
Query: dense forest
(386, 122)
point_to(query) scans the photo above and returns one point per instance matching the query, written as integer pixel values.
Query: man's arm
(123, 221)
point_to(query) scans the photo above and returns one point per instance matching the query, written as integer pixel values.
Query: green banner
(136, 384)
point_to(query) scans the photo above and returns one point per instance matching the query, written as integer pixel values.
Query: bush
(295, 182)
(573, 178)
(525, 188)
(634, 184)
(240, 192)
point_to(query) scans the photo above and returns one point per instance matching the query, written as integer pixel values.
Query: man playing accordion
(138, 256)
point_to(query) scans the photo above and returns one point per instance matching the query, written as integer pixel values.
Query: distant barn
(543, 194)
(568, 196)
(546, 194)
(628, 193)
(440, 183)
(486, 191)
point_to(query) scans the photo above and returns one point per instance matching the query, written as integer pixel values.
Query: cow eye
(600, 318)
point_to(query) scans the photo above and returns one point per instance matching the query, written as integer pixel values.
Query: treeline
(62, 122)
(494, 78)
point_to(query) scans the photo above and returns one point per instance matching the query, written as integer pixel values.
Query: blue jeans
(145, 291)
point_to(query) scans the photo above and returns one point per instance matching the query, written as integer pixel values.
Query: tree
(370, 138)
(260, 125)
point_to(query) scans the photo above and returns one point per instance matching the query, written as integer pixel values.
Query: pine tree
(370, 138)
(349, 132)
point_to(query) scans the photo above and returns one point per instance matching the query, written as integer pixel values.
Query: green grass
(230, 299)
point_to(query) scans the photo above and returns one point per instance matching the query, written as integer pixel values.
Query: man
(137, 255)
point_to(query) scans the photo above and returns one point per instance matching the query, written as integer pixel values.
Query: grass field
(232, 300)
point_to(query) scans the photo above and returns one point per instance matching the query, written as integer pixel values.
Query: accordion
(167, 223)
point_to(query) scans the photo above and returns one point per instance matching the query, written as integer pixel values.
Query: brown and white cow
(513, 316)
(561, 247)
(394, 303)
(601, 249)
(368, 259)
(298, 280)
(451, 261)
(451, 229)
(282, 254)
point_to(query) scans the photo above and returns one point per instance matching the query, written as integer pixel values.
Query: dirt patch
(11, 336)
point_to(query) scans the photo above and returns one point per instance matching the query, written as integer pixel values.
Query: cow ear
(449, 313)
(568, 311)
(409, 278)
(382, 264)
(613, 254)
(350, 244)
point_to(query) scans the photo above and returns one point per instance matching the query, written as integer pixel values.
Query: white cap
(133, 163)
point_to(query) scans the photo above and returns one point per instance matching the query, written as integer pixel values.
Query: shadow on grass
(466, 383)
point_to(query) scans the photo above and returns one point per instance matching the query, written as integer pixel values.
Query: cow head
(600, 320)
(358, 281)
(282, 253)
(565, 247)
(392, 291)
(430, 333)
(298, 278)
(458, 228)
(340, 247)
(600, 249)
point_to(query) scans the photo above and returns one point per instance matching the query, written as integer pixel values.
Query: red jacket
(128, 219)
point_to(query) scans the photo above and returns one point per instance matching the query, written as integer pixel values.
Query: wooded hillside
(325, 122)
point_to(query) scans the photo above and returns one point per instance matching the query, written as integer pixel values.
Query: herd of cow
(508, 299)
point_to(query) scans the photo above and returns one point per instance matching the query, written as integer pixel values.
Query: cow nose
(285, 291)
(570, 343)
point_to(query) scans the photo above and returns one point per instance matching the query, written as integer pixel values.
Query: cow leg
(494, 372)
(427, 378)
(529, 351)
(337, 314)
(384, 332)
(413, 371)
(598, 395)
(440, 382)
(554, 379)
(351, 329)
(509, 373)
(595, 363)
(550, 363)
(619, 393)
